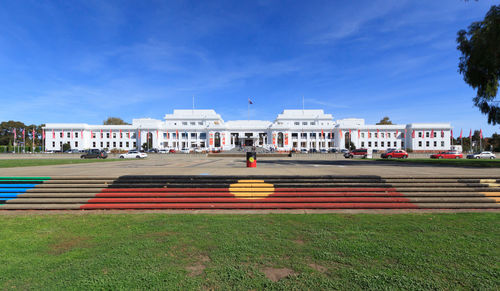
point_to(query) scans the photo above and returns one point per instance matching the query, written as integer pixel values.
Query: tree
(480, 61)
(384, 120)
(66, 147)
(114, 121)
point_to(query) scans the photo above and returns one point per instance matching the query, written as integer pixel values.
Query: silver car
(482, 155)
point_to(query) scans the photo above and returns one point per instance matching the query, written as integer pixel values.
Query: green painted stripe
(25, 178)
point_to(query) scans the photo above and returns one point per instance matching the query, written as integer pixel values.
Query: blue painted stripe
(4, 195)
(14, 190)
(17, 185)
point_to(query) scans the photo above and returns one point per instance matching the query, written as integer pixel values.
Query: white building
(292, 129)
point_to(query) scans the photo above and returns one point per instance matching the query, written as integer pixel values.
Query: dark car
(360, 153)
(94, 154)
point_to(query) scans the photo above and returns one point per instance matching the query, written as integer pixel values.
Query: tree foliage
(480, 61)
(114, 121)
(384, 120)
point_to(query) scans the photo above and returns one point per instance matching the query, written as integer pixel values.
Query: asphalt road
(189, 165)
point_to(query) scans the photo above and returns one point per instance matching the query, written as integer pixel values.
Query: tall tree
(114, 121)
(480, 61)
(384, 120)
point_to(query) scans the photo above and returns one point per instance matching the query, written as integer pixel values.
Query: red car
(398, 154)
(362, 153)
(171, 151)
(447, 155)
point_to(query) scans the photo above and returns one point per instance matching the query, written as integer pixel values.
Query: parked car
(172, 151)
(323, 151)
(152, 151)
(360, 153)
(333, 150)
(133, 154)
(398, 154)
(482, 155)
(94, 154)
(344, 151)
(186, 150)
(304, 151)
(163, 151)
(199, 150)
(447, 155)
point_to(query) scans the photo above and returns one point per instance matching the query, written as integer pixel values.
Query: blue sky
(82, 61)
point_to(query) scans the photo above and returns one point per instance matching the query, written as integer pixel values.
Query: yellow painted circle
(251, 189)
(251, 159)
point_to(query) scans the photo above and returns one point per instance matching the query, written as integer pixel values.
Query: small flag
(397, 133)
(91, 135)
(33, 135)
(470, 133)
(349, 133)
(432, 133)
(250, 101)
(23, 134)
(405, 133)
(15, 134)
(460, 133)
(359, 133)
(43, 134)
(81, 133)
(177, 134)
(378, 133)
(157, 134)
(53, 134)
(442, 133)
(413, 134)
(167, 134)
(322, 134)
(481, 134)
(71, 134)
(369, 133)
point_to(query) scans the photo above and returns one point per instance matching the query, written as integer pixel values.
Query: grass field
(460, 162)
(9, 163)
(316, 251)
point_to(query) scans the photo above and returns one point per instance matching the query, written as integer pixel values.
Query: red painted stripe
(259, 200)
(358, 189)
(228, 194)
(251, 206)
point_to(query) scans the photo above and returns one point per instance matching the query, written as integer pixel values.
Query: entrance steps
(250, 192)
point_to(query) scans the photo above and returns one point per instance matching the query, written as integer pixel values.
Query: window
(203, 135)
(93, 144)
(388, 135)
(382, 135)
(435, 134)
(427, 134)
(427, 143)
(114, 134)
(165, 135)
(114, 144)
(184, 135)
(121, 144)
(435, 143)
(102, 135)
(303, 135)
(53, 144)
(76, 134)
(376, 135)
(192, 123)
(193, 134)
(76, 144)
(369, 144)
(369, 135)
(121, 134)
(376, 144)
(362, 144)
(442, 133)
(184, 123)
(362, 134)
(419, 134)
(127, 144)
(382, 144)
(295, 135)
(107, 135)
(107, 144)
(296, 123)
(135, 144)
(60, 134)
(313, 123)
(312, 135)
(395, 144)
(93, 135)
(68, 134)
(200, 122)
(420, 144)
(442, 143)
(304, 123)
(402, 144)
(102, 144)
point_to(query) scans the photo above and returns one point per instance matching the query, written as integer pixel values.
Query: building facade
(292, 129)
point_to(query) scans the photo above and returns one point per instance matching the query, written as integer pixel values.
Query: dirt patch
(198, 267)
(159, 236)
(318, 267)
(67, 244)
(299, 241)
(275, 274)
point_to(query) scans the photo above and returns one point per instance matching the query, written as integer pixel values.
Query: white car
(199, 150)
(163, 151)
(186, 150)
(482, 155)
(133, 155)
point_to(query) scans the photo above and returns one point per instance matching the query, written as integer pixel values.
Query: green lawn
(460, 162)
(9, 163)
(318, 251)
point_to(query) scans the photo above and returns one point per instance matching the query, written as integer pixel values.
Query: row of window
(427, 144)
(383, 144)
